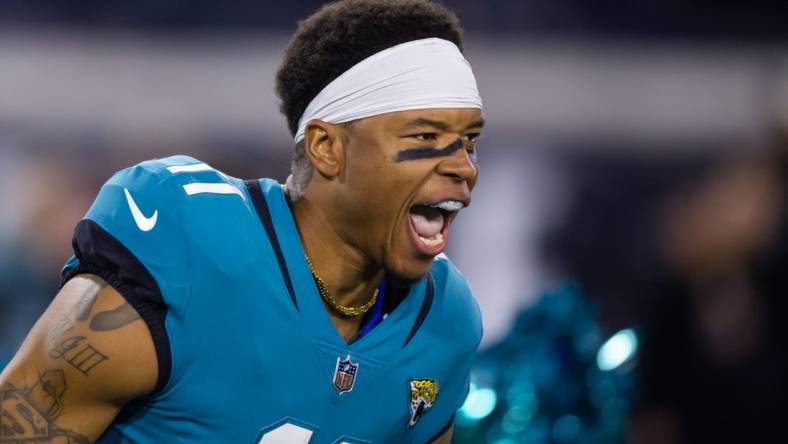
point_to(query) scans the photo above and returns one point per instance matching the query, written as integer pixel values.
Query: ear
(324, 144)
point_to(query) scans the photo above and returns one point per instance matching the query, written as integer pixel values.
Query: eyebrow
(429, 152)
(443, 126)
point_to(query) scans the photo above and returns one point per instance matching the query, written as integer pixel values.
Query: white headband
(420, 74)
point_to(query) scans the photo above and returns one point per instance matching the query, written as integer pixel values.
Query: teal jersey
(247, 352)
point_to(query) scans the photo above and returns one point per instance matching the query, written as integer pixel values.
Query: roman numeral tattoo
(75, 350)
(82, 357)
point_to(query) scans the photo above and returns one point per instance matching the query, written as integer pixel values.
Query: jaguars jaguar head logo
(423, 393)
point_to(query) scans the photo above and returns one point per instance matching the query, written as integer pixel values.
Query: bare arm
(88, 355)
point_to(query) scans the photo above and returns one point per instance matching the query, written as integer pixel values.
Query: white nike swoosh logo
(143, 223)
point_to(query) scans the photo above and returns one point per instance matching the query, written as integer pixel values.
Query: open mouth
(429, 225)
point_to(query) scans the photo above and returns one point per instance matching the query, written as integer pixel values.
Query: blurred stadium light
(617, 350)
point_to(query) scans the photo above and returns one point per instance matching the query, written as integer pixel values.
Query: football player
(202, 308)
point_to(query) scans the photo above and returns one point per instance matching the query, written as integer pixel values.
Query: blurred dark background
(725, 19)
(626, 241)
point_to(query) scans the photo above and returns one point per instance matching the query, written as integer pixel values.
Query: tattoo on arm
(114, 319)
(82, 357)
(75, 350)
(85, 305)
(28, 414)
(81, 312)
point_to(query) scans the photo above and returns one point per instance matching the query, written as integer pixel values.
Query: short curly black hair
(341, 34)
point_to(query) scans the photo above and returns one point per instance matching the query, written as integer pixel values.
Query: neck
(350, 276)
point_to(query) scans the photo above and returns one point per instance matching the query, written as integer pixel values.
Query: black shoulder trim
(101, 254)
(258, 200)
(443, 429)
(425, 308)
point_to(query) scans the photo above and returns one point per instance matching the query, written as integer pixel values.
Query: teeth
(449, 205)
(433, 241)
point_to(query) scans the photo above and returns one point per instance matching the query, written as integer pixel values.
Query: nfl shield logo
(345, 374)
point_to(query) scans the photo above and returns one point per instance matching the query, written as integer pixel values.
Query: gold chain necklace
(346, 311)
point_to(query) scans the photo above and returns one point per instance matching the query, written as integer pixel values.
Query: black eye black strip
(430, 152)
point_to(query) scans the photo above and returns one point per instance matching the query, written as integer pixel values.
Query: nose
(459, 166)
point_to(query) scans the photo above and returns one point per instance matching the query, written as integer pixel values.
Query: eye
(425, 137)
(471, 137)
(471, 148)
